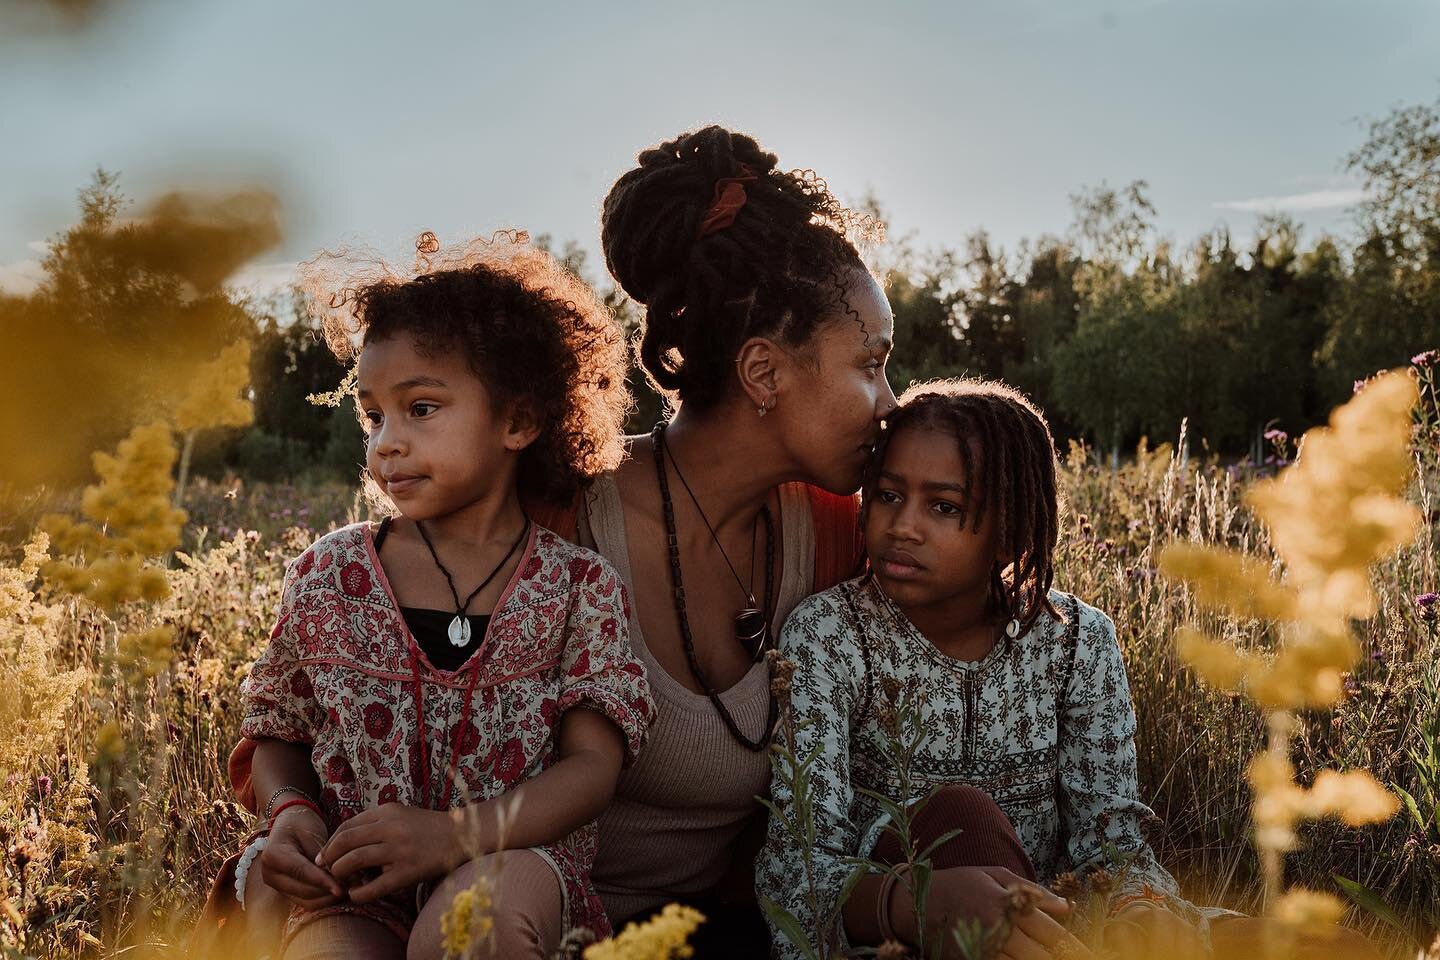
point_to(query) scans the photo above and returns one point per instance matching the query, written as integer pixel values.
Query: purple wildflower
(1276, 436)
(1426, 605)
(1429, 358)
(43, 786)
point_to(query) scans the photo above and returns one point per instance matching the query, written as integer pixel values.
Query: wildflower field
(121, 681)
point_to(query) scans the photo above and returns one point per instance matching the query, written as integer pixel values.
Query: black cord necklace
(744, 621)
(459, 631)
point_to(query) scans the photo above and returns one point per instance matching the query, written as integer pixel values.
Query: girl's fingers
(1044, 930)
(383, 885)
(288, 870)
(361, 858)
(344, 840)
(1049, 901)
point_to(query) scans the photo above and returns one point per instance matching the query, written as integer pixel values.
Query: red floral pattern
(338, 674)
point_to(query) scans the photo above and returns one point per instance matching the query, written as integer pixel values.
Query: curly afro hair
(1007, 450)
(533, 332)
(779, 270)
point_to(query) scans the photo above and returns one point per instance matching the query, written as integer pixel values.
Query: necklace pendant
(459, 631)
(750, 631)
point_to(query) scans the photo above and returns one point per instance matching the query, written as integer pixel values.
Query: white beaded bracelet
(242, 867)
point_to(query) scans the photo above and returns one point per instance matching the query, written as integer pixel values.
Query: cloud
(264, 279)
(21, 277)
(1314, 200)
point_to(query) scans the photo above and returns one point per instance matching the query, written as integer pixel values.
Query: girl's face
(921, 552)
(832, 415)
(436, 441)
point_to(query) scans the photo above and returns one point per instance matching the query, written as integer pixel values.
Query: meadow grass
(115, 822)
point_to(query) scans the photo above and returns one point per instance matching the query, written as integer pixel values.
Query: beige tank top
(680, 807)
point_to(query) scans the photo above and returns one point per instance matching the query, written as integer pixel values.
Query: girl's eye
(422, 409)
(372, 417)
(887, 496)
(946, 509)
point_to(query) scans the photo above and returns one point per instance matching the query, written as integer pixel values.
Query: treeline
(1117, 332)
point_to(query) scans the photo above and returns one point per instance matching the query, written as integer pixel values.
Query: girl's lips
(899, 566)
(402, 485)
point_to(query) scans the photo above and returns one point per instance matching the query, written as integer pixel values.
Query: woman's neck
(730, 462)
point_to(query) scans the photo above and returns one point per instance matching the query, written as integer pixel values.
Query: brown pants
(527, 918)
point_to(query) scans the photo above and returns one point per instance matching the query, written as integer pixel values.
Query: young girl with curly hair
(1029, 749)
(433, 662)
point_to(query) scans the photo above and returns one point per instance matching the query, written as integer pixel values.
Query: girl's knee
(344, 937)
(957, 804)
(523, 918)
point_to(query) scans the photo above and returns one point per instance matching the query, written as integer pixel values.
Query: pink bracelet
(297, 802)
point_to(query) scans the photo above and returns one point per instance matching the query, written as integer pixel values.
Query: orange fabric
(839, 546)
(838, 552)
(730, 197)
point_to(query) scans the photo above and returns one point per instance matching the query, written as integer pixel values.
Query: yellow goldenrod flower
(109, 743)
(144, 653)
(468, 922)
(1305, 911)
(213, 399)
(662, 937)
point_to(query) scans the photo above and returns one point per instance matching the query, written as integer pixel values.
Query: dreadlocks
(1007, 452)
(776, 271)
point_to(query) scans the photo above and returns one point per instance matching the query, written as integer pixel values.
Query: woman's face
(831, 417)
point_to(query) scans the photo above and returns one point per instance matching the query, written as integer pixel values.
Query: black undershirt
(431, 628)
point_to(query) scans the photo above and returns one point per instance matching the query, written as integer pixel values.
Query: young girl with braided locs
(434, 662)
(1020, 692)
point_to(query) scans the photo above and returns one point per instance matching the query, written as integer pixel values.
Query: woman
(763, 322)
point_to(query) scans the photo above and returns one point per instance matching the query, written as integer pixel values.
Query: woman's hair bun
(705, 295)
(652, 213)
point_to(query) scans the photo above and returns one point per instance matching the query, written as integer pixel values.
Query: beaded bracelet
(281, 792)
(242, 867)
(882, 903)
(297, 802)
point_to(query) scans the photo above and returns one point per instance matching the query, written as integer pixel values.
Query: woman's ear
(522, 427)
(758, 365)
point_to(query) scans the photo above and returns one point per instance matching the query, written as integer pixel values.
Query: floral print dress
(1043, 724)
(343, 673)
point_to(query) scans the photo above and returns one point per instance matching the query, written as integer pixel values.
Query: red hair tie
(730, 196)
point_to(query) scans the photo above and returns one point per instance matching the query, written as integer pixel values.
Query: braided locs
(777, 271)
(1007, 453)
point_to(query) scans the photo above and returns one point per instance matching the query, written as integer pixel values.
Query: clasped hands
(371, 855)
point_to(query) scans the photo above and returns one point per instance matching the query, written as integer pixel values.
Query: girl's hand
(287, 864)
(983, 893)
(405, 844)
(1144, 929)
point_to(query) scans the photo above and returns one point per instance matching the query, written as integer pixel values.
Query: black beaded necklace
(744, 621)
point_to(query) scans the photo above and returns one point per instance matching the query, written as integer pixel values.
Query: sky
(375, 121)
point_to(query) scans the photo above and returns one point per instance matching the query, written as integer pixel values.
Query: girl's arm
(573, 791)
(802, 874)
(411, 844)
(297, 834)
(279, 764)
(1100, 805)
